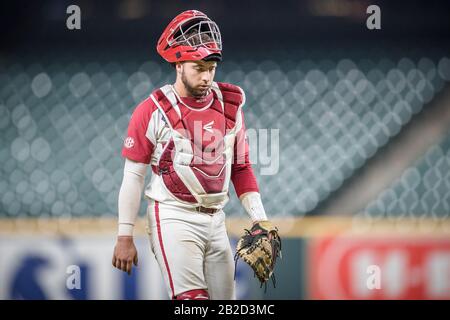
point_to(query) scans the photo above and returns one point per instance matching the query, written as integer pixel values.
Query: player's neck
(181, 90)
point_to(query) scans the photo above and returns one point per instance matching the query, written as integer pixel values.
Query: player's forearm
(130, 196)
(251, 201)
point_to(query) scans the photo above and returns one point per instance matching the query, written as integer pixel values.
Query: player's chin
(201, 91)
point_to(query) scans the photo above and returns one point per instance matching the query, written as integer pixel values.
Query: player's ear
(179, 68)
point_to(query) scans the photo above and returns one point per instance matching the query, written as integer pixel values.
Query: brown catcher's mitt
(259, 248)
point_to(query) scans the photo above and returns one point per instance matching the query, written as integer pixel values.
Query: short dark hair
(196, 38)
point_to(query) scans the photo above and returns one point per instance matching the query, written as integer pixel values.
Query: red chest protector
(195, 164)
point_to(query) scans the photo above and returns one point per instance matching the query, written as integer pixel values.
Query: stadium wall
(323, 258)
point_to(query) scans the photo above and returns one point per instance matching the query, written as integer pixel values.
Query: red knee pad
(198, 294)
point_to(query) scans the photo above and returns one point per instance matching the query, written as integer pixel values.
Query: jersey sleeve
(242, 174)
(137, 145)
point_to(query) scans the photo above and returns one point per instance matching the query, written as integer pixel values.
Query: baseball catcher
(191, 134)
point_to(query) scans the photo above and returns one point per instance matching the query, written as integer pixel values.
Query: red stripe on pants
(158, 227)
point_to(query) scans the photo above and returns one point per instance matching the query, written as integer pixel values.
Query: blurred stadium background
(364, 142)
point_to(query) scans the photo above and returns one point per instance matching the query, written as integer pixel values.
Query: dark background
(247, 26)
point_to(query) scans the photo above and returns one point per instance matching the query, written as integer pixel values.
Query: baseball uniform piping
(158, 226)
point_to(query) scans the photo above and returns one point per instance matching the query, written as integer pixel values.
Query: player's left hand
(260, 247)
(125, 254)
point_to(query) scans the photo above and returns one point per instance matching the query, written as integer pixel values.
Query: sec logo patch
(128, 142)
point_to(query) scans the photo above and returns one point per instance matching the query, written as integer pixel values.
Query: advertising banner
(393, 267)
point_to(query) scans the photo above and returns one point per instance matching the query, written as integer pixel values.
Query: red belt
(206, 210)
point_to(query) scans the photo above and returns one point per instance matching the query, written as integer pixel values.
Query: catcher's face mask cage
(198, 33)
(190, 36)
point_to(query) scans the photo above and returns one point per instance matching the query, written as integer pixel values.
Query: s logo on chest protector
(208, 126)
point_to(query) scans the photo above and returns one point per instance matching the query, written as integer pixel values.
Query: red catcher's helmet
(190, 36)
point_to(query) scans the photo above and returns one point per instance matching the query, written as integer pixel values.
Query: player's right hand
(125, 254)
